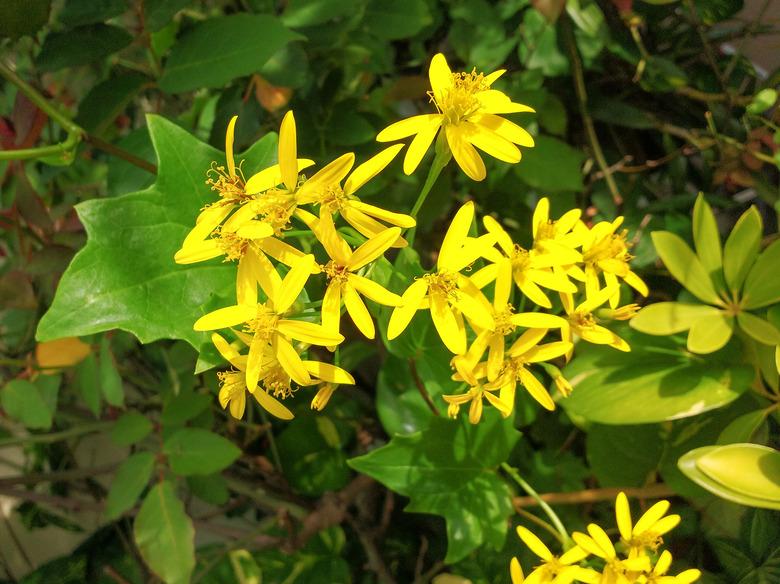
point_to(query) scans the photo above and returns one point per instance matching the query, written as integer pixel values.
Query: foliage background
(638, 108)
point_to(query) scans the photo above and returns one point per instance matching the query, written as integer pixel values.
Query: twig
(121, 153)
(55, 436)
(421, 387)
(68, 503)
(375, 562)
(656, 491)
(56, 476)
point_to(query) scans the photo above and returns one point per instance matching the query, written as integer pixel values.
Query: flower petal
(198, 252)
(331, 174)
(358, 312)
(451, 331)
(406, 128)
(329, 373)
(397, 219)
(225, 317)
(293, 284)
(410, 303)
(290, 361)
(623, 516)
(465, 154)
(650, 517)
(255, 230)
(365, 225)
(288, 152)
(370, 168)
(308, 332)
(374, 291)
(272, 405)
(225, 349)
(491, 143)
(534, 543)
(456, 235)
(504, 128)
(420, 145)
(373, 248)
(534, 387)
(440, 76)
(229, 134)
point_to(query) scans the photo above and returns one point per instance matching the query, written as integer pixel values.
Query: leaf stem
(556, 521)
(441, 159)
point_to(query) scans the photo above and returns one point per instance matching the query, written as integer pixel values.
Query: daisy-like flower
(474, 396)
(616, 570)
(447, 293)
(647, 533)
(528, 268)
(553, 569)
(581, 322)
(605, 252)
(555, 236)
(332, 198)
(468, 114)
(343, 283)
(658, 574)
(523, 352)
(268, 327)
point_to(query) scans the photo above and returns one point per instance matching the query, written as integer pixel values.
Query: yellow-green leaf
(707, 239)
(685, 266)
(758, 328)
(742, 248)
(667, 318)
(710, 333)
(762, 286)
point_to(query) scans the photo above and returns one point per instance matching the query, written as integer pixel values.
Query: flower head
(553, 569)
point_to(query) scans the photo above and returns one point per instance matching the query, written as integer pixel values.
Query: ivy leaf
(125, 277)
(448, 469)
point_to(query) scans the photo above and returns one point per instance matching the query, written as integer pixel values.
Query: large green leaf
(81, 45)
(657, 381)
(165, 536)
(667, 318)
(125, 277)
(624, 456)
(449, 470)
(195, 451)
(130, 480)
(24, 401)
(399, 19)
(685, 266)
(220, 49)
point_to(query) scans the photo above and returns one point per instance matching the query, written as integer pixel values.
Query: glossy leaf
(164, 535)
(710, 333)
(130, 480)
(81, 45)
(742, 248)
(743, 427)
(448, 469)
(220, 49)
(762, 286)
(195, 451)
(657, 381)
(758, 328)
(685, 266)
(666, 318)
(706, 238)
(125, 277)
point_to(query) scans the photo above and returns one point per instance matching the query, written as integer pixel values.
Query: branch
(421, 387)
(656, 491)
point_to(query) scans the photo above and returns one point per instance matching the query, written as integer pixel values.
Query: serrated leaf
(110, 380)
(81, 45)
(685, 266)
(130, 428)
(164, 535)
(762, 286)
(125, 277)
(741, 249)
(130, 480)
(707, 239)
(667, 318)
(22, 400)
(195, 451)
(220, 49)
(447, 469)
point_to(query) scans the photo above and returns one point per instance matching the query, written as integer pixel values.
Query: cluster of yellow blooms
(249, 221)
(636, 560)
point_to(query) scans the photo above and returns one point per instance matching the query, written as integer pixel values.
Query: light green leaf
(742, 428)
(762, 101)
(710, 333)
(448, 470)
(125, 277)
(110, 381)
(742, 248)
(88, 383)
(657, 381)
(748, 474)
(758, 328)
(707, 239)
(685, 266)
(130, 428)
(22, 400)
(220, 49)
(164, 535)
(762, 286)
(667, 318)
(195, 451)
(129, 482)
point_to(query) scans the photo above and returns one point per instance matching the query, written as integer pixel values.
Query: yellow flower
(556, 236)
(447, 293)
(646, 534)
(322, 397)
(343, 283)
(581, 322)
(331, 197)
(553, 569)
(606, 252)
(269, 329)
(616, 570)
(467, 111)
(474, 396)
(662, 565)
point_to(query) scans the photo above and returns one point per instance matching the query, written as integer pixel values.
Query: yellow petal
(537, 320)
(456, 234)
(473, 304)
(225, 317)
(246, 282)
(238, 405)
(329, 373)
(406, 127)
(503, 287)
(308, 332)
(623, 516)
(410, 303)
(358, 311)
(664, 561)
(505, 129)
(198, 251)
(650, 517)
(255, 361)
(365, 225)
(502, 406)
(527, 341)
(374, 291)
(535, 388)
(331, 308)
(497, 102)
(420, 144)
(61, 352)
(290, 361)
(331, 174)
(255, 230)
(293, 284)
(532, 291)
(373, 248)
(229, 135)
(475, 410)
(502, 237)
(207, 220)
(225, 349)
(397, 219)
(270, 177)
(491, 143)
(325, 232)
(282, 252)
(244, 213)
(485, 276)
(288, 152)
(495, 356)
(370, 168)
(587, 543)
(573, 556)
(272, 405)
(440, 76)
(602, 540)
(263, 271)
(534, 543)
(451, 331)
(465, 154)
(516, 572)
(491, 78)
(665, 524)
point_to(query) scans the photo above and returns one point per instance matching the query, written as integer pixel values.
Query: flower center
(545, 231)
(647, 540)
(233, 246)
(613, 246)
(277, 382)
(460, 101)
(232, 383)
(263, 325)
(521, 259)
(336, 272)
(276, 207)
(442, 284)
(581, 320)
(230, 188)
(332, 198)
(504, 325)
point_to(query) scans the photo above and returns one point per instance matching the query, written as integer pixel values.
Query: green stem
(439, 162)
(557, 523)
(56, 436)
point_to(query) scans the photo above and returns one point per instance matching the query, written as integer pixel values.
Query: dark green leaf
(184, 407)
(194, 451)
(210, 56)
(165, 536)
(301, 13)
(551, 165)
(79, 12)
(130, 481)
(124, 177)
(130, 428)
(80, 46)
(22, 401)
(88, 383)
(22, 17)
(712, 11)
(210, 488)
(108, 99)
(158, 13)
(624, 455)
(395, 20)
(538, 45)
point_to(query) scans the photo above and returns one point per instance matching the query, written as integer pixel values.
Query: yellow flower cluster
(564, 253)
(635, 560)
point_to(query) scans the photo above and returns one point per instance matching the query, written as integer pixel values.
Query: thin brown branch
(56, 476)
(656, 491)
(375, 562)
(121, 153)
(421, 387)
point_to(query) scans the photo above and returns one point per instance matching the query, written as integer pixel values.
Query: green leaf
(624, 455)
(758, 328)
(23, 401)
(130, 428)
(108, 99)
(762, 101)
(657, 381)
(130, 480)
(184, 407)
(762, 286)
(742, 428)
(195, 451)
(538, 48)
(78, 12)
(710, 333)
(301, 13)
(88, 383)
(164, 535)
(124, 177)
(667, 318)
(741, 249)
(685, 266)
(220, 49)
(551, 165)
(23, 17)
(158, 13)
(748, 474)
(210, 488)
(448, 470)
(396, 20)
(110, 381)
(125, 277)
(706, 238)
(712, 11)
(80, 46)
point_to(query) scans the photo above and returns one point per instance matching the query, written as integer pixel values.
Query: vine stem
(556, 521)
(56, 436)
